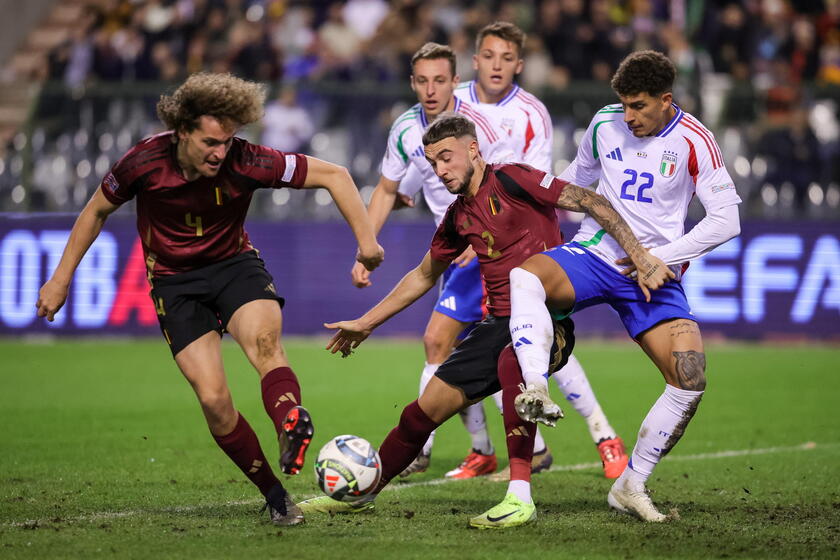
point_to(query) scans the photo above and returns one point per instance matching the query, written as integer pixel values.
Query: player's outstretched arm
(337, 180)
(652, 272)
(408, 290)
(53, 294)
(381, 202)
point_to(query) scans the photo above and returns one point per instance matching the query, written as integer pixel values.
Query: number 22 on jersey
(630, 190)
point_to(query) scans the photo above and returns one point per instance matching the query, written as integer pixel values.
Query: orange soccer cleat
(613, 456)
(474, 465)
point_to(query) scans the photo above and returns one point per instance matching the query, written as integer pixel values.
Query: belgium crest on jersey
(668, 166)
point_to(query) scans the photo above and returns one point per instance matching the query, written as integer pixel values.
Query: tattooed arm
(652, 272)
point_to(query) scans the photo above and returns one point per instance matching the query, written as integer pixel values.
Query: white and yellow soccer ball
(347, 468)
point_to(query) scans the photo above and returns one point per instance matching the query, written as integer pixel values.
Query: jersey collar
(424, 120)
(678, 115)
(503, 101)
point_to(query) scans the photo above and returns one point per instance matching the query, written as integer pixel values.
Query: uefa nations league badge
(668, 166)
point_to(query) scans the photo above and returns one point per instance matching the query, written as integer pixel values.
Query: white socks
(660, 431)
(476, 424)
(575, 386)
(428, 372)
(521, 490)
(531, 329)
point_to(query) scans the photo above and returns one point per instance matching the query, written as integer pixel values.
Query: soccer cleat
(511, 512)
(613, 456)
(419, 465)
(325, 504)
(539, 462)
(295, 439)
(282, 510)
(633, 502)
(534, 405)
(475, 464)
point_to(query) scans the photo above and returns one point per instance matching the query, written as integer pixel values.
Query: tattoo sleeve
(579, 199)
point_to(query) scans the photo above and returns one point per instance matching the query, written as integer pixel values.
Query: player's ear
(667, 98)
(475, 62)
(411, 79)
(455, 79)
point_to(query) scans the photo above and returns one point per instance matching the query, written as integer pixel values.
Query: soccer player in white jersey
(524, 119)
(460, 304)
(650, 158)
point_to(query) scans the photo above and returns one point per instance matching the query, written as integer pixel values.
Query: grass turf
(105, 453)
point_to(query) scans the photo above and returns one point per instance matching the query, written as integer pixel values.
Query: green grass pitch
(104, 453)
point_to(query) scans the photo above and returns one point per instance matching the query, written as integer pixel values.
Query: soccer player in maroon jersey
(507, 213)
(193, 186)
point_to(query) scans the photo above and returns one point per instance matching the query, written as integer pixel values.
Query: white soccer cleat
(534, 405)
(634, 502)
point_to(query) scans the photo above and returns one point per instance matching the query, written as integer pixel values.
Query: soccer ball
(347, 468)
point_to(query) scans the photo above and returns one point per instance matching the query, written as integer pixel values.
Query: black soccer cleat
(295, 439)
(282, 509)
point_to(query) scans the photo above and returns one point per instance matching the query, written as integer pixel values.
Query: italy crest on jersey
(668, 166)
(507, 126)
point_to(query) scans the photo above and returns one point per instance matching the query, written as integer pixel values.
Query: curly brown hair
(223, 96)
(505, 31)
(648, 72)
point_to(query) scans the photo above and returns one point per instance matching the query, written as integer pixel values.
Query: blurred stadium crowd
(763, 74)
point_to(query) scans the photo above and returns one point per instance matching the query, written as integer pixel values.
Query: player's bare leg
(201, 363)
(676, 348)
(439, 339)
(256, 326)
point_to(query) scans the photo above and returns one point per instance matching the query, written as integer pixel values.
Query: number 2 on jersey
(640, 192)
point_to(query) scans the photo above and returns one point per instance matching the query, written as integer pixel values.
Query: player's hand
(403, 201)
(650, 271)
(360, 275)
(350, 334)
(466, 257)
(50, 299)
(371, 257)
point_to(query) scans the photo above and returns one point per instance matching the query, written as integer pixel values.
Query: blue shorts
(462, 295)
(597, 282)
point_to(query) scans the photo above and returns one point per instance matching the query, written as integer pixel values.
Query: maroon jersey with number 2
(510, 218)
(186, 225)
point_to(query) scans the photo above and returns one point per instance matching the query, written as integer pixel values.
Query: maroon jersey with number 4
(510, 218)
(185, 225)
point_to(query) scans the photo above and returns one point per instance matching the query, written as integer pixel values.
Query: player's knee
(268, 344)
(437, 346)
(690, 370)
(216, 402)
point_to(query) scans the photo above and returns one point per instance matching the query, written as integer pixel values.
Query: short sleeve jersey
(184, 225)
(510, 218)
(523, 119)
(649, 181)
(405, 149)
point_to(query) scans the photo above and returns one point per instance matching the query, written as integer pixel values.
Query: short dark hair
(448, 124)
(504, 30)
(648, 72)
(434, 51)
(223, 96)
